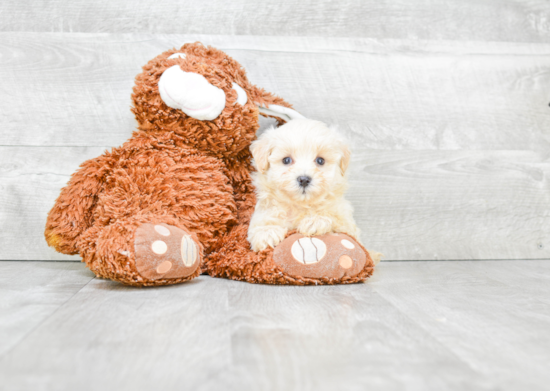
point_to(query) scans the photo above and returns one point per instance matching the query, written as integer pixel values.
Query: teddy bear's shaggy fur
(190, 176)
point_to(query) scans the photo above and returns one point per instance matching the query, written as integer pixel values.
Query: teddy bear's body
(177, 197)
(152, 178)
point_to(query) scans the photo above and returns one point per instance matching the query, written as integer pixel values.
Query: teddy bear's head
(203, 95)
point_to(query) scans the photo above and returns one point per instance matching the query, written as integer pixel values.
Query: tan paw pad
(323, 256)
(165, 251)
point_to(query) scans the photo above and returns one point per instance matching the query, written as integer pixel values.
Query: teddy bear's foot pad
(324, 256)
(165, 251)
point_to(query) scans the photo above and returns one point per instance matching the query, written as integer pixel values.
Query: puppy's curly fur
(300, 183)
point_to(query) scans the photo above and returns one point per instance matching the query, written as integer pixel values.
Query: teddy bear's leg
(72, 212)
(335, 256)
(145, 250)
(297, 260)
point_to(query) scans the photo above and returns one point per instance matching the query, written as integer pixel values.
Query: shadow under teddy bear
(176, 198)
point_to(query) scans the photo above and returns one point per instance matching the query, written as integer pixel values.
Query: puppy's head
(302, 160)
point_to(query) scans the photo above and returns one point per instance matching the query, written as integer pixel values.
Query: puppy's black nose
(304, 181)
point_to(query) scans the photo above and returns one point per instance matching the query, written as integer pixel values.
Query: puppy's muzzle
(304, 181)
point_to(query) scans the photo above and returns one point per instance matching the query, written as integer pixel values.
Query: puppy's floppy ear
(344, 161)
(261, 149)
(343, 144)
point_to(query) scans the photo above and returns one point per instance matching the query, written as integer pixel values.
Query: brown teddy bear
(177, 197)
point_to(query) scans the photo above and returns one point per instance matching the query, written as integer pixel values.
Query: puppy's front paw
(315, 225)
(267, 236)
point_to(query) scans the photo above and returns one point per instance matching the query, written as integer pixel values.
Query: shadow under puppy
(300, 183)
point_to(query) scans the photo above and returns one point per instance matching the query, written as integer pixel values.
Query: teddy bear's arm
(73, 210)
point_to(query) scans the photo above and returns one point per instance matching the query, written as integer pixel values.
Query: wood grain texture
(414, 326)
(444, 205)
(474, 314)
(410, 205)
(485, 20)
(74, 89)
(30, 181)
(30, 292)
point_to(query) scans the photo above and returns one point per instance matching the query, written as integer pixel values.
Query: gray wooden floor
(479, 325)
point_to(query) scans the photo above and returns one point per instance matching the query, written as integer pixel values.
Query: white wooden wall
(446, 102)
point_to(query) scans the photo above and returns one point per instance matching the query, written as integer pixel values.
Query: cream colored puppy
(300, 183)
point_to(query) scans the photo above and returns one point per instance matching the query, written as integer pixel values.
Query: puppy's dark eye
(287, 160)
(320, 161)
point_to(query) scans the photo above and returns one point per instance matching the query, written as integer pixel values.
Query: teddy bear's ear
(177, 55)
(191, 93)
(242, 98)
(284, 113)
(261, 149)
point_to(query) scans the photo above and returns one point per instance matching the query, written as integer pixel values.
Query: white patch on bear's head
(191, 93)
